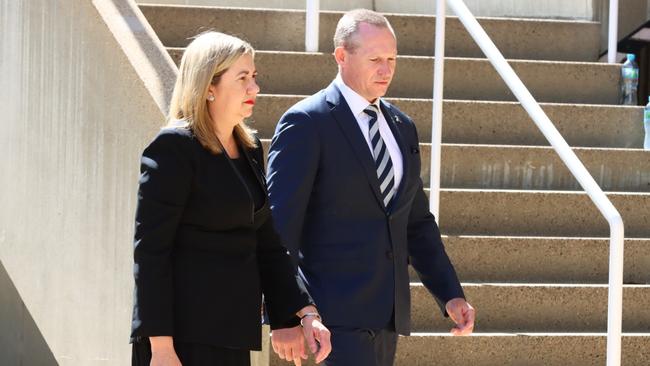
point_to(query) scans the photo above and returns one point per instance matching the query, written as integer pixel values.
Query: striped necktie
(383, 163)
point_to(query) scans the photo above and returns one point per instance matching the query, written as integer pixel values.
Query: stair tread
(284, 30)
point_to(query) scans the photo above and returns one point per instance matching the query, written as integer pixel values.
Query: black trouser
(192, 354)
(362, 347)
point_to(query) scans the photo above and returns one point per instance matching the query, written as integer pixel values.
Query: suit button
(389, 254)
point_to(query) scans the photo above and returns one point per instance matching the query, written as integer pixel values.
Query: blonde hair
(205, 59)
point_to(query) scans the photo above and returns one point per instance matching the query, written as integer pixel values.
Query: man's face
(368, 69)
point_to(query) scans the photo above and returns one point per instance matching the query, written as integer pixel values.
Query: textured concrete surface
(508, 123)
(519, 349)
(142, 47)
(543, 259)
(474, 79)
(538, 213)
(539, 168)
(506, 212)
(261, 358)
(631, 15)
(533, 168)
(276, 4)
(77, 115)
(496, 123)
(21, 343)
(576, 9)
(516, 308)
(282, 30)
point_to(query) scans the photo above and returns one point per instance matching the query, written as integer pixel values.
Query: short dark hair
(348, 26)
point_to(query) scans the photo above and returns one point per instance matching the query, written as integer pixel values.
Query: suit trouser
(362, 347)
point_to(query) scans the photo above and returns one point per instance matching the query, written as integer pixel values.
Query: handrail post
(311, 25)
(612, 41)
(587, 182)
(436, 110)
(615, 292)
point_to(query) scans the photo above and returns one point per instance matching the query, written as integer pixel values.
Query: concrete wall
(21, 343)
(77, 114)
(631, 15)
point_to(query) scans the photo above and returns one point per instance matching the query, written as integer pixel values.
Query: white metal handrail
(612, 41)
(311, 25)
(615, 300)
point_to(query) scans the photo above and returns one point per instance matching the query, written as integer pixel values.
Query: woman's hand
(162, 352)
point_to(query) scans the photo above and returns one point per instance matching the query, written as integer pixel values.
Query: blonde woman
(205, 246)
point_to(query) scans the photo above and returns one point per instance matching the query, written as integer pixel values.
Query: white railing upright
(615, 298)
(311, 25)
(436, 111)
(612, 40)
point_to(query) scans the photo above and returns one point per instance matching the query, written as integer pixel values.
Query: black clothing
(193, 354)
(251, 182)
(203, 254)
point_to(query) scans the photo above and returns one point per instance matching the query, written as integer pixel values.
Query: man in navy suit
(348, 201)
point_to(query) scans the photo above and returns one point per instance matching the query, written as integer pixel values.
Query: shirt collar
(356, 102)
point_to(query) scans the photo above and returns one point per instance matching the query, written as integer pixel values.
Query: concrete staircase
(529, 245)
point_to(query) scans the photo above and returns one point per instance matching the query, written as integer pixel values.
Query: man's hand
(314, 332)
(463, 314)
(289, 344)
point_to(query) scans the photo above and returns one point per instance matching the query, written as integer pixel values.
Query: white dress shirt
(357, 104)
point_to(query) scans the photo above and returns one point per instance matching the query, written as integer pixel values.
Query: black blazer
(202, 256)
(327, 204)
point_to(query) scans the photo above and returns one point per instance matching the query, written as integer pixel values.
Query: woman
(205, 247)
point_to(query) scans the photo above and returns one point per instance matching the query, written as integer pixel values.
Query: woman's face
(235, 93)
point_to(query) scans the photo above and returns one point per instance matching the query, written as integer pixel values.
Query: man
(348, 201)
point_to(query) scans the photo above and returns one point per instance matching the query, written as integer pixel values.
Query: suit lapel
(348, 123)
(258, 172)
(393, 122)
(255, 166)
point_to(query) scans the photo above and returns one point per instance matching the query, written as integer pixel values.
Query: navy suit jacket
(352, 252)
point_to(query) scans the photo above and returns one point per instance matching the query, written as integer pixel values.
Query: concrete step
(538, 213)
(543, 259)
(549, 9)
(500, 212)
(535, 308)
(497, 123)
(538, 168)
(467, 79)
(532, 349)
(284, 30)
(513, 349)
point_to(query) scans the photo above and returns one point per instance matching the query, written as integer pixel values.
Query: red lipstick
(250, 101)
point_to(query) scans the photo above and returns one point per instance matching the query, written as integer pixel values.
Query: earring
(210, 98)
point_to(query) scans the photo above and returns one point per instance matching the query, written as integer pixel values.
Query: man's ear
(339, 55)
